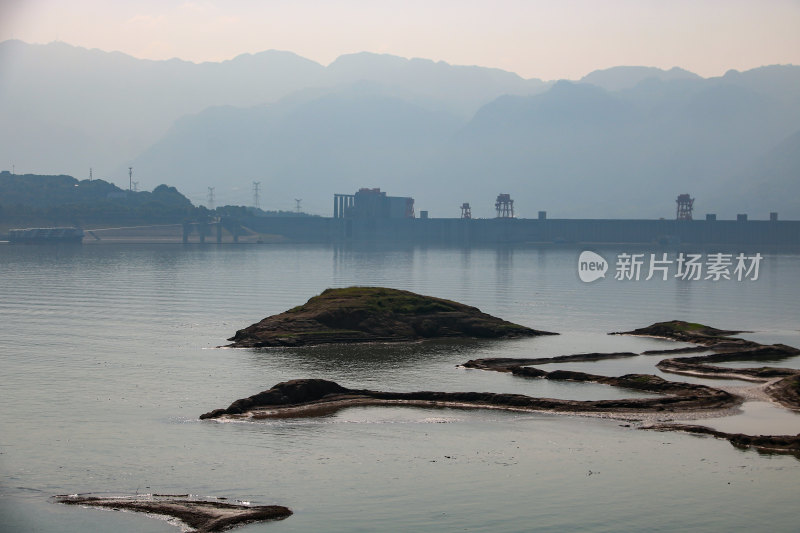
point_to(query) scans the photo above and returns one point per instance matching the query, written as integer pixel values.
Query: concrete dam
(455, 231)
(370, 216)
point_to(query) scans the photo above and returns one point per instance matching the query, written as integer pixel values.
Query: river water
(109, 355)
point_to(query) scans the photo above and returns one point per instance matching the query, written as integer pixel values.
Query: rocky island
(375, 314)
(680, 330)
(199, 515)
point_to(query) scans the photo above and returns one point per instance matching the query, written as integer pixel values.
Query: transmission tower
(256, 202)
(685, 205)
(210, 198)
(90, 173)
(135, 186)
(505, 206)
(297, 204)
(130, 178)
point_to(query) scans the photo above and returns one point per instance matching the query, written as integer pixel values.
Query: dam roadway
(457, 231)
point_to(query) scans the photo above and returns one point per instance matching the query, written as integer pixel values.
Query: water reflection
(104, 347)
(363, 262)
(369, 359)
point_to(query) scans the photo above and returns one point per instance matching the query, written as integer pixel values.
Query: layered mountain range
(621, 142)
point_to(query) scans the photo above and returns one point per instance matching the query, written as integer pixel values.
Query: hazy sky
(547, 39)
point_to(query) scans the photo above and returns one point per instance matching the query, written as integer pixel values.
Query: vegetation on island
(375, 314)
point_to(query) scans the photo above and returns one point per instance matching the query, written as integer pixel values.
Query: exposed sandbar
(509, 364)
(297, 395)
(785, 391)
(788, 444)
(314, 397)
(200, 515)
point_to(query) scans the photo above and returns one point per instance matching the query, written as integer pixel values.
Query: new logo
(591, 266)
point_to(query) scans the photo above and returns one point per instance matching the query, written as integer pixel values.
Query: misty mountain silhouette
(618, 78)
(621, 142)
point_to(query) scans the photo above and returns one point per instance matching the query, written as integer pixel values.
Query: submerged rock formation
(781, 384)
(789, 444)
(203, 516)
(308, 395)
(511, 364)
(699, 365)
(375, 314)
(679, 330)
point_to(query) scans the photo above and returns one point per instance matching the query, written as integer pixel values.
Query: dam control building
(372, 204)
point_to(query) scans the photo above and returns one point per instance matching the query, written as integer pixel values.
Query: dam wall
(456, 231)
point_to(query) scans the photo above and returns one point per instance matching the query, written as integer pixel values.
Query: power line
(210, 198)
(256, 202)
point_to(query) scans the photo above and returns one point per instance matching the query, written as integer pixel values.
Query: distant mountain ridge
(101, 109)
(618, 78)
(620, 142)
(575, 150)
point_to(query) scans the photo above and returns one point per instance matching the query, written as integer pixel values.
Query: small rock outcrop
(201, 515)
(375, 314)
(769, 444)
(680, 330)
(293, 392)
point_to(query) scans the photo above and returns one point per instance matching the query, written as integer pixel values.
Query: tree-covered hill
(36, 200)
(63, 200)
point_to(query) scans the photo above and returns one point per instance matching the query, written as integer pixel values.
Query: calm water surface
(109, 355)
